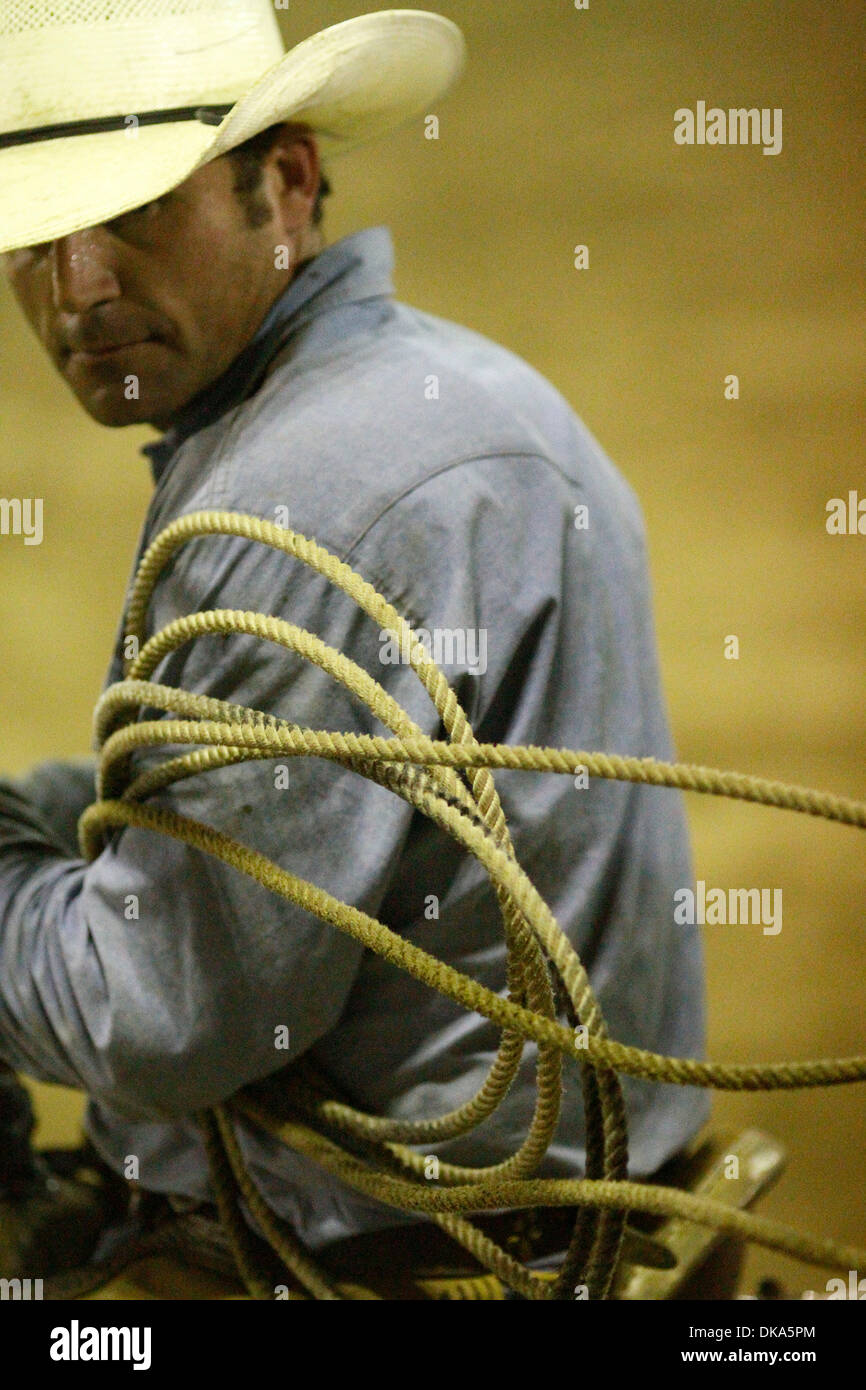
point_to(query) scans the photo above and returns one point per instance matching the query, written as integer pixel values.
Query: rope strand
(450, 781)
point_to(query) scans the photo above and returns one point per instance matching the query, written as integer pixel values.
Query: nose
(83, 273)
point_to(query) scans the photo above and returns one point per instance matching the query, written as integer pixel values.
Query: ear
(292, 170)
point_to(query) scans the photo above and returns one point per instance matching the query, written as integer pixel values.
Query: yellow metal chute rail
(451, 783)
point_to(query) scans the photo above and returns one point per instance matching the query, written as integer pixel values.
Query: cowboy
(161, 219)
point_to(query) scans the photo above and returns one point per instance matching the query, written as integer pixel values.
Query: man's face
(141, 313)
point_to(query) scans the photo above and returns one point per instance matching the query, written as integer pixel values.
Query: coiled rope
(451, 782)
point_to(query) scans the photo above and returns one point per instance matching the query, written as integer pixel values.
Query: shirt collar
(357, 267)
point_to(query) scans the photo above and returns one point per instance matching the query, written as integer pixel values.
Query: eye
(138, 218)
(26, 255)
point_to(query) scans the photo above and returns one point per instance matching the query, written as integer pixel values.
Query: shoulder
(411, 448)
(403, 409)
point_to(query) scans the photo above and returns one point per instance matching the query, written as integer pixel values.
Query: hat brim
(350, 83)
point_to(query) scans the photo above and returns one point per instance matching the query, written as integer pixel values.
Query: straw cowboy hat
(108, 104)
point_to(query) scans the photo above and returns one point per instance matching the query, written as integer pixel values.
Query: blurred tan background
(703, 262)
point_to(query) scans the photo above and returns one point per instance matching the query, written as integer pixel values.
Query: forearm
(32, 859)
(152, 979)
(21, 827)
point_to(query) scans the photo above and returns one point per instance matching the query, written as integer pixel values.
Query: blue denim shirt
(447, 472)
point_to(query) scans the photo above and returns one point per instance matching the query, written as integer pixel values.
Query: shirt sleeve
(158, 979)
(59, 792)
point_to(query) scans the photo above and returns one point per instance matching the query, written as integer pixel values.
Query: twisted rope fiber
(597, 1237)
(184, 830)
(451, 783)
(555, 1192)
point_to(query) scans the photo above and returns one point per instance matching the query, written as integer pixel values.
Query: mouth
(93, 357)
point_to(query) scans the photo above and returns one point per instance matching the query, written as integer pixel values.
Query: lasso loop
(451, 783)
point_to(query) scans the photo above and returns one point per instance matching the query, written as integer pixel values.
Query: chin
(109, 407)
(115, 414)
(132, 386)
